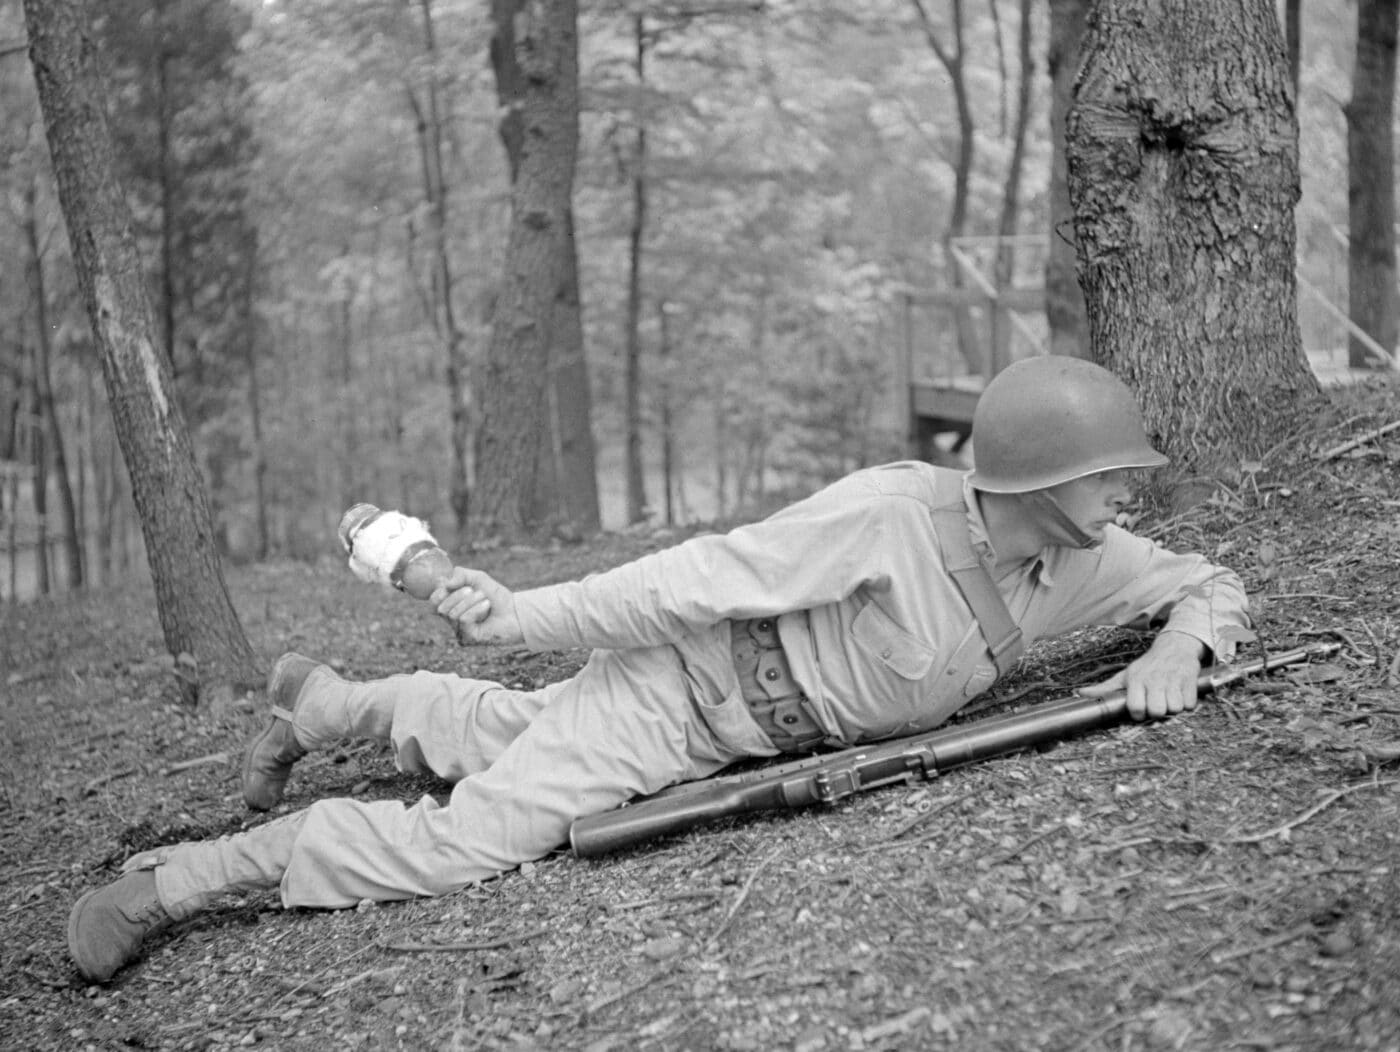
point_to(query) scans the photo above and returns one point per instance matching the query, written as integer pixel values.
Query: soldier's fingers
(1137, 701)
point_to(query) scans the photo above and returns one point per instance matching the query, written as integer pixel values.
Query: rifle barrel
(832, 776)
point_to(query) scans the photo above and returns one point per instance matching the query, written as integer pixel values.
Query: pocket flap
(879, 636)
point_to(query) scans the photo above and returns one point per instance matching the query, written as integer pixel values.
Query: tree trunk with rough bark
(201, 628)
(1183, 171)
(566, 475)
(1293, 39)
(632, 335)
(577, 450)
(1064, 299)
(1371, 183)
(513, 381)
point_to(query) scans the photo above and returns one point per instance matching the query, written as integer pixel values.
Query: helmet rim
(1051, 419)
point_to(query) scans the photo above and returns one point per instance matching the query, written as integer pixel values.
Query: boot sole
(258, 805)
(273, 682)
(73, 954)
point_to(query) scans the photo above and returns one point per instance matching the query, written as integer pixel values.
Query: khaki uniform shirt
(877, 633)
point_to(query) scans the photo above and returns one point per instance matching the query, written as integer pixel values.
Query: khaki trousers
(525, 764)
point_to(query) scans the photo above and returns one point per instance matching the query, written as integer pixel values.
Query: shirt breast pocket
(880, 637)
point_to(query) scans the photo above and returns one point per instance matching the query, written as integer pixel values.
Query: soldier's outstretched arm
(480, 607)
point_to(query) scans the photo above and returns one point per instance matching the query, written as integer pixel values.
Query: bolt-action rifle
(827, 778)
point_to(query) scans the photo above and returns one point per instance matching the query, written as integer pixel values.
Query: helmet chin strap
(1055, 522)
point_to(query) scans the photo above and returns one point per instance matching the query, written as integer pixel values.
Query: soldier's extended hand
(1160, 683)
(480, 607)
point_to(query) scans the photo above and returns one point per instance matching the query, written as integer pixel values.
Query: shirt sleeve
(816, 551)
(1134, 582)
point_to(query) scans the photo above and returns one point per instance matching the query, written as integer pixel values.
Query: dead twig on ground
(407, 946)
(1093, 1037)
(1292, 935)
(31, 871)
(1252, 838)
(661, 900)
(900, 1024)
(1322, 805)
(308, 983)
(711, 942)
(198, 761)
(921, 818)
(1007, 856)
(380, 975)
(1359, 440)
(101, 780)
(612, 999)
(1185, 898)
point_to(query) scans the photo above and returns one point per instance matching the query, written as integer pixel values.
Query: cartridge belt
(765, 680)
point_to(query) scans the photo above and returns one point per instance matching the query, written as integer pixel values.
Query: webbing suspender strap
(1002, 634)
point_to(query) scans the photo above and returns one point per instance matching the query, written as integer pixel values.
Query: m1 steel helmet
(1052, 418)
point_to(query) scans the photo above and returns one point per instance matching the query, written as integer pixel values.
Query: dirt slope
(1222, 880)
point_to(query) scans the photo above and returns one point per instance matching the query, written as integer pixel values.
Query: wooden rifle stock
(829, 777)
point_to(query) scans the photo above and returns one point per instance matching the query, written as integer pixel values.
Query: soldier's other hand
(1162, 682)
(479, 607)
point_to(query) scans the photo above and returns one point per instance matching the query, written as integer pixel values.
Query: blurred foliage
(800, 171)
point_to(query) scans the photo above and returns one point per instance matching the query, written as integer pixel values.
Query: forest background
(757, 194)
(1220, 881)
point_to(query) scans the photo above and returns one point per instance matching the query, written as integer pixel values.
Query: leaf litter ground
(1226, 879)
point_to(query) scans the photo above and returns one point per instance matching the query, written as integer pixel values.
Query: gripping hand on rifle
(1162, 682)
(480, 607)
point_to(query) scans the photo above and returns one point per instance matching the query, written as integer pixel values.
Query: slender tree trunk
(1371, 182)
(164, 162)
(722, 451)
(544, 505)
(751, 476)
(1011, 191)
(632, 337)
(515, 371)
(103, 482)
(342, 377)
(10, 483)
(953, 61)
(459, 390)
(82, 442)
(111, 543)
(668, 439)
(1064, 299)
(1183, 154)
(39, 460)
(43, 388)
(573, 396)
(566, 481)
(9, 404)
(251, 344)
(200, 625)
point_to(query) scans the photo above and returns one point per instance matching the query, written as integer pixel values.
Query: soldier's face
(1094, 501)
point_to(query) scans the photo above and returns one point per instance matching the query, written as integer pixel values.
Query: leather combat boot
(268, 762)
(108, 924)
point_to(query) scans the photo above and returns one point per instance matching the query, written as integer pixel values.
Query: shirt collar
(982, 544)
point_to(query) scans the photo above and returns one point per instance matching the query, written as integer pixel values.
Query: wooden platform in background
(945, 406)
